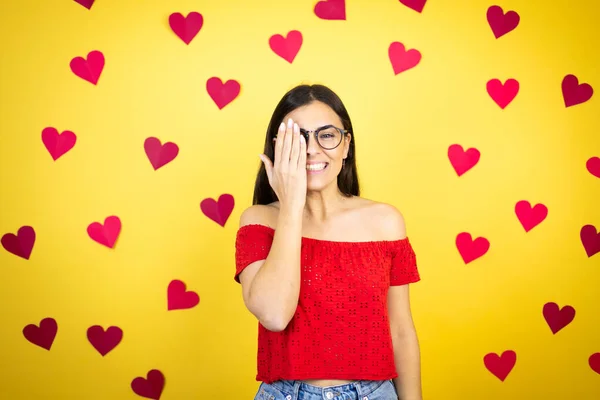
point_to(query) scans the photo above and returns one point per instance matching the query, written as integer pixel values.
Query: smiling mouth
(316, 167)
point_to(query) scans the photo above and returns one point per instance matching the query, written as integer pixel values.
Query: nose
(312, 147)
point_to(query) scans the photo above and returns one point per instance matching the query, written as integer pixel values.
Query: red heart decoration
(160, 154)
(470, 249)
(186, 27)
(590, 239)
(461, 160)
(42, 335)
(56, 143)
(594, 362)
(331, 9)
(416, 5)
(593, 166)
(503, 94)
(288, 47)
(20, 244)
(104, 341)
(528, 216)
(500, 22)
(502, 365)
(178, 298)
(557, 318)
(106, 234)
(222, 94)
(86, 3)
(218, 211)
(89, 69)
(402, 59)
(575, 93)
(151, 387)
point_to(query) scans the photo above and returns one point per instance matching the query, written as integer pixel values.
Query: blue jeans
(298, 390)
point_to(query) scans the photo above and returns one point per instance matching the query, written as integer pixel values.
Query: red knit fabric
(341, 328)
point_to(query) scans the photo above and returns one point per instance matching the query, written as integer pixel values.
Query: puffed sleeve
(404, 263)
(252, 243)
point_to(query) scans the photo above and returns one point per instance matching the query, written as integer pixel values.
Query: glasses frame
(315, 132)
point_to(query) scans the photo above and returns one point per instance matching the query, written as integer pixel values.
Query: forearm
(408, 365)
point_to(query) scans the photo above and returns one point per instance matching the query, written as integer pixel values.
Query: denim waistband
(362, 387)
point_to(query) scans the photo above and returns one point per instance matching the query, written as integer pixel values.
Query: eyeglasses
(328, 137)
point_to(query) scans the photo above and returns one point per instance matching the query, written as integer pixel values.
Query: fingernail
(282, 126)
(290, 122)
(296, 128)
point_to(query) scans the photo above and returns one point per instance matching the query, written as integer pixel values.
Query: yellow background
(154, 85)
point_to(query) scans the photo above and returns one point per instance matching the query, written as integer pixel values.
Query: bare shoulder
(385, 218)
(261, 214)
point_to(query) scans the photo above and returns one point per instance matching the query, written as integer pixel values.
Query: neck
(322, 205)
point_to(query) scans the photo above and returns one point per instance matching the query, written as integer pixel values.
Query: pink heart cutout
(104, 340)
(594, 362)
(500, 366)
(416, 5)
(528, 216)
(178, 298)
(160, 154)
(590, 239)
(575, 93)
(500, 22)
(288, 47)
(557, 318)
(222, 94)
(151, 387)
(470, 249)
(331, 9)
(42, 335)
(186, 28)
(86, 3)
(90, 69)
(106, 234)
(401, 59)
(56, 143)
(503, 94)
(462, 161)
(20, 244)
(593, 166)
(218, 211)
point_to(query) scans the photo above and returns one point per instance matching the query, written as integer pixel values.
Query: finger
(279, 144)
(302, 155)
(295, 146)
(287, 144)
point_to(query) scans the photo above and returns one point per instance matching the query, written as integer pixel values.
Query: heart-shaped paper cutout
(500, 366)
(222, 93)
(21, 244)
(106, 234)
(500, 22)
(416, 5)
(150, 387)
(104, 340)
(42, 335)
(590, 239)
(160, 154)
(86, 3)
(56, 143)
(461, 160)
(331, 9)
(179, 298)
(503, 94)
(470, 249)
(557, 318)
(286, 47)
(528, 216)
(218, 211)
(593, 166)
(186, 28)
(89, 69)
(402, 59)
(575, 93)
(594, 362)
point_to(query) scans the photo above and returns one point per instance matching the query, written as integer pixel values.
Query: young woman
(325, 271)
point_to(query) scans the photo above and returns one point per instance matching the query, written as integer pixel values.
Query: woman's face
(311, 117)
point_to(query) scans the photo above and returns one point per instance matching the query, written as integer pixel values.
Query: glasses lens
(329, 137)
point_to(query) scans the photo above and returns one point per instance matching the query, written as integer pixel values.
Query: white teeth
(316, 167)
